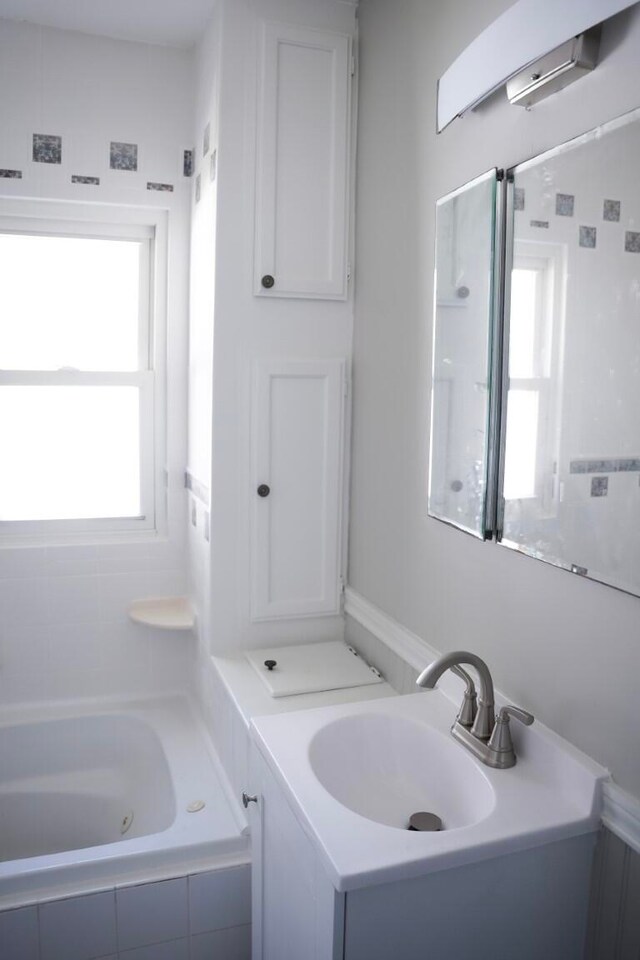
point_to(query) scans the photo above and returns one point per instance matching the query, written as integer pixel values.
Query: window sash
(144, 382)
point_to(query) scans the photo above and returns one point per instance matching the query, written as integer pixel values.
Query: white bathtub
(94, 797)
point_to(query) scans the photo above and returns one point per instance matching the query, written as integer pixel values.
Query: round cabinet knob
(247, 799)
(270, 664)
(267, 281)
(263, 490)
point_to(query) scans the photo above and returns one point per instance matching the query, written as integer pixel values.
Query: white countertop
(553, 792)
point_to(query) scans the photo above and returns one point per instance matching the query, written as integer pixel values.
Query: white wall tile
(171, 950)
(91, 90)
(81, 928)
(19, 934)
(220, 898)
(23, 601)
(72, 599)
(152, 912)
(234, 943)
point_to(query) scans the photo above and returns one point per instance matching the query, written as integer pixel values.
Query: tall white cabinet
(302, 174)
(298, 446)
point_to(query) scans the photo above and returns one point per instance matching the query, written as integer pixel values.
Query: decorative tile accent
(543, 224)
(90, 181)
(162, 187)
(123, 156)
(518, 198)
(198, 188)
(599, 486)
(611, 210)
(632, 241)
(613, 465)
(11, 174)
(47, 148)
(213, 166)
(564, 204)
(206, 140)
(588, 237)
(187, 163)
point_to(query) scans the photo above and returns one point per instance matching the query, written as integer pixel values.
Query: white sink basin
(386, 768)
(354, 773)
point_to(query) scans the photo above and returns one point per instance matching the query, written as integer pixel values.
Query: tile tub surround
(198, 916)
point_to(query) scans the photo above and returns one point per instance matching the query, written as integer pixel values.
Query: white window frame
(147, 226)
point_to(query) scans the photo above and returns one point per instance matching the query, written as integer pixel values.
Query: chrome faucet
(475, 726)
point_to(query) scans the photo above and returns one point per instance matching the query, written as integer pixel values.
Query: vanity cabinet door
(296, 913)
(298, 444)
(302, 164)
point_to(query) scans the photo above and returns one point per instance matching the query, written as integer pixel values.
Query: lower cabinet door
(296, 912)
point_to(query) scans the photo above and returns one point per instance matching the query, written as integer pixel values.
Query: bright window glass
(77, 386)
(521, 449)
(69, 303)
(69, 452)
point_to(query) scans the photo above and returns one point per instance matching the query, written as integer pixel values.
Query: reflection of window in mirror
(533, 404)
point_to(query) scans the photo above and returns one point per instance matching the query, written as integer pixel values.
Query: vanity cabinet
(296, 912)
(529, 904)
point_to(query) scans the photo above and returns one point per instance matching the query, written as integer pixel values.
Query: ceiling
(174, 22)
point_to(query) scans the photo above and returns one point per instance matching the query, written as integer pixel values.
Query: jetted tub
(120, 793)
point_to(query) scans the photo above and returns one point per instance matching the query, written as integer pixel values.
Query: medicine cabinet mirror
(566, 365)
(460, 413)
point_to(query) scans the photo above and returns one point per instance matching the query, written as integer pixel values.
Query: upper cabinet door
(303, 164)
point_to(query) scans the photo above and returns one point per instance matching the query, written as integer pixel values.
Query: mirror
(571, 465)
(460, 410)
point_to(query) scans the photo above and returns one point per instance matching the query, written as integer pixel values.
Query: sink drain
(424, 822)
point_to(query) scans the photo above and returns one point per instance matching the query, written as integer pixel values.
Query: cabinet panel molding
(297, 473)
(302, 174)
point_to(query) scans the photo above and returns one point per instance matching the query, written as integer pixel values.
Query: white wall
(244, 327)
(64, 630)
(563, 647)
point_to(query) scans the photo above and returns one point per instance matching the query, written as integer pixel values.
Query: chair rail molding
(621, 814)
(409, 646)
(620, 810)
(525, 32)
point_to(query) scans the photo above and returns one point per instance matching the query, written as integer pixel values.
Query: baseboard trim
(620, 810)
(621, 814)
(413, 649)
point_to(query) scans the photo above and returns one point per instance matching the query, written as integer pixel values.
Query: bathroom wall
(231, 328)
(565, 648)
(64, 630)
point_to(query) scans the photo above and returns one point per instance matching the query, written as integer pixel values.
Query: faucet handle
(468, 709)
(500, 743)
(518, 713)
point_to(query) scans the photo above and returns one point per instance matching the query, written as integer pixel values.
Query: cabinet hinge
(353, 65)
(342, 586)
(348, 271)
(345, 385)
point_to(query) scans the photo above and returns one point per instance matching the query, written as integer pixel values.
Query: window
(534, 345)
(77, 381)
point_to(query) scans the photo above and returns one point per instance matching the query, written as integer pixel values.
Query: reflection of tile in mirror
(611, 210)
(599, 486)
(632, 241)
(564, 204)
(588, 237)
(518, 198)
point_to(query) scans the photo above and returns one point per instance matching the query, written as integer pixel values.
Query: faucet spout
(484, 721)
